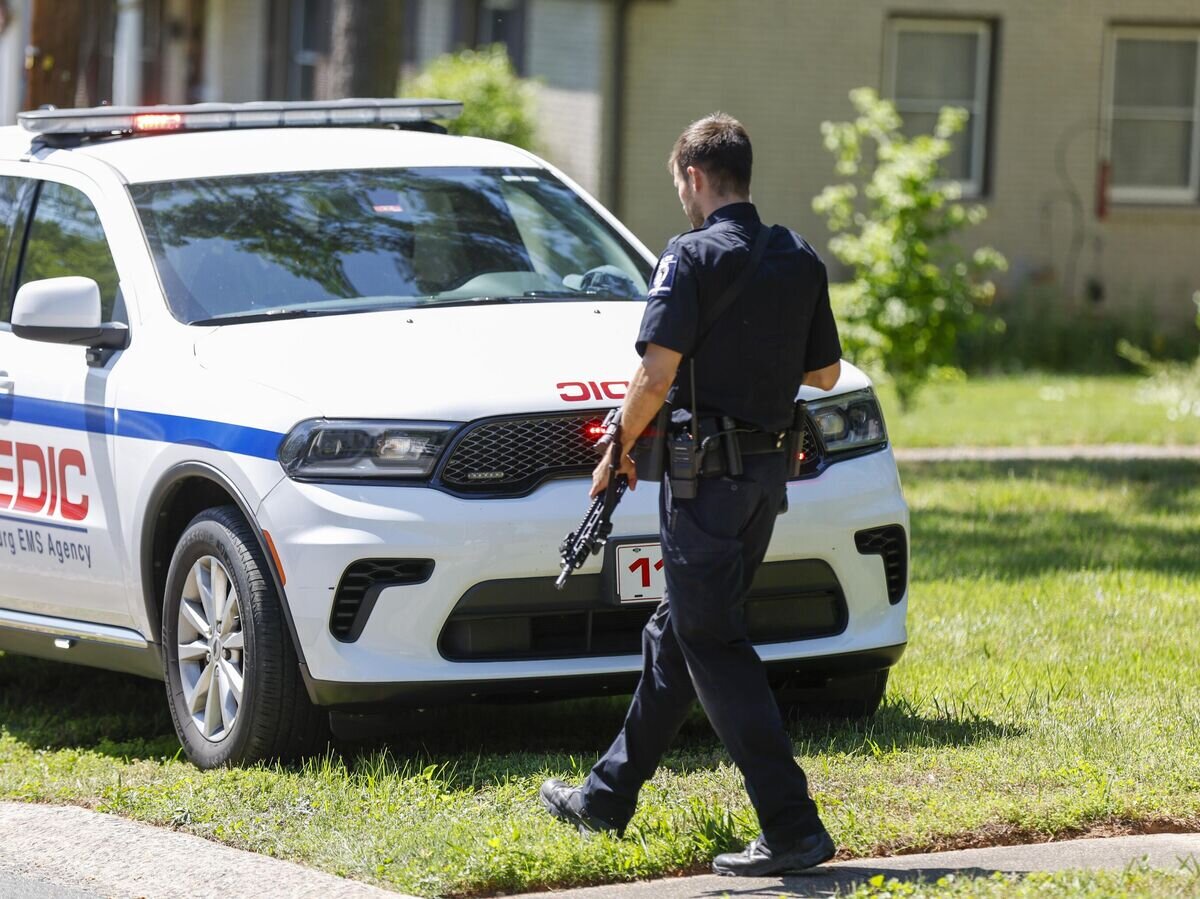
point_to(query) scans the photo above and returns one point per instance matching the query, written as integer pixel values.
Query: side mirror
(65, 310)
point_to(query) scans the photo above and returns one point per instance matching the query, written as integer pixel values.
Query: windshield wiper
(237, 318)
(527, 296)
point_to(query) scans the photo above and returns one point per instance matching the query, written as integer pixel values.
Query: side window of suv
(12, 230)
(66, 238)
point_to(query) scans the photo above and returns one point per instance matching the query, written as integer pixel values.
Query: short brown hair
(720, 146)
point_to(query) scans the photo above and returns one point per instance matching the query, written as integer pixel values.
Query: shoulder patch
(664, 275)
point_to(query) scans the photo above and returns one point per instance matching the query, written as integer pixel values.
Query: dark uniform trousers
(695, 646)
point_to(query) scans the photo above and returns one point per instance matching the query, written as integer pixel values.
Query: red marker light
(157, 121)
(594, 430)
(800, 457)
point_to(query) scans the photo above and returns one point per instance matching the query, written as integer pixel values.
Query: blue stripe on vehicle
(44, 524)
(139, 425)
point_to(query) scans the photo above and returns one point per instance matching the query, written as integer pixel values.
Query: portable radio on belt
(684, 454)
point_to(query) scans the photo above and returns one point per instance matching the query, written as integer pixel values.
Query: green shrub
(914, 290)
(497, 103)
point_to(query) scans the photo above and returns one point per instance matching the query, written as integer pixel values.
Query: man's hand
(647, 392)
(600, 473)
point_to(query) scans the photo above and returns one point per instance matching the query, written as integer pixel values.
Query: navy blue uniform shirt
(751, 364)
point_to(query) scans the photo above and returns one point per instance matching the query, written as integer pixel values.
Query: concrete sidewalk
(1166, 851)
(63, 851)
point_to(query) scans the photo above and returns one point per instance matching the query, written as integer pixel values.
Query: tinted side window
(12, 228)
(65, 238)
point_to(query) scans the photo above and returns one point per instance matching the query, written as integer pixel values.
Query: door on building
(69, 61)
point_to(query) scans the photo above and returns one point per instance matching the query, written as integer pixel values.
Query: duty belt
(749, 443)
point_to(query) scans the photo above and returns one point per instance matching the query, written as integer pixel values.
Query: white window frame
(1141, 193)
(979, 109)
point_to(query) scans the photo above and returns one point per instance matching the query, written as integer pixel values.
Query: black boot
(760, 860)
(566, 804)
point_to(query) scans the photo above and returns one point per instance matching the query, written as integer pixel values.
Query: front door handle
(6, 383)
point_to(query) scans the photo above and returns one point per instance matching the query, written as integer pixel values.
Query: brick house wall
(784, 66)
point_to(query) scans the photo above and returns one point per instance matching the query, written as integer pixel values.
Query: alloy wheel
(211, 648)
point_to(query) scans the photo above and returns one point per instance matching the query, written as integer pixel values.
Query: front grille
(361, 585)
(811, 447)
(526, 618)
(514, 454)
(890, 543)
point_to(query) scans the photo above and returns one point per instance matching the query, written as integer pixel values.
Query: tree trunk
(364, 52)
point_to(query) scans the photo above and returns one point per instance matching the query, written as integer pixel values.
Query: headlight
(850, 422)
(364, 449)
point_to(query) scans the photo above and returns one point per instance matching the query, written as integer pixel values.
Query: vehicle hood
(451, 363)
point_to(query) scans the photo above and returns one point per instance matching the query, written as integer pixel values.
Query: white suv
(294, 415)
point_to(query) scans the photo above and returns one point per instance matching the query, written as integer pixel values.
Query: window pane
(353, 240)
(936, 65)
(10, 195)
(66, 238)
(956, 166)
(1151, 154)
(1156, 73)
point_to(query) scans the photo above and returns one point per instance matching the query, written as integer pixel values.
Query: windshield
(313, 243)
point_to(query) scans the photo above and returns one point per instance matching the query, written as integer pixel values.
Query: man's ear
(697, 180)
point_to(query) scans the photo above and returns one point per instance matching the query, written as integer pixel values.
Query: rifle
(591, 535)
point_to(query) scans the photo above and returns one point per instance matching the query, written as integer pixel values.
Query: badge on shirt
(664, 276)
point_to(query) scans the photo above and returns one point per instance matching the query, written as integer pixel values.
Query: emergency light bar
(108, 120)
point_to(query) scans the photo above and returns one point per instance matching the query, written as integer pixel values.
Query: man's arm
(648, 390)
(823, 378)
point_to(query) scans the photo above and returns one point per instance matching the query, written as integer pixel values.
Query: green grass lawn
(1035, 410)
(1049, 689)
(1137, 882)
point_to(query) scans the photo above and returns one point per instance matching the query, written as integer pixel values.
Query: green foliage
(497, 104)
(1175, 385)
(914, 289)
(1040, 332)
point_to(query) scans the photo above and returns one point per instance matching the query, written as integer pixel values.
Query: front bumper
(321, 529)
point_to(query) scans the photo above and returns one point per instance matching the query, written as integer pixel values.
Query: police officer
(777, 333)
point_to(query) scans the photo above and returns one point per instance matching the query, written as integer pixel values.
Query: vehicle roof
(247, 151)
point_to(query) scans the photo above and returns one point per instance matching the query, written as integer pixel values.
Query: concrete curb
(1165, 851)
(65, 852)
(69, 851)
(1099, 452)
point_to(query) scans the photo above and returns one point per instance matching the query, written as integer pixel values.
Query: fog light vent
(361, 585)
(891, 544)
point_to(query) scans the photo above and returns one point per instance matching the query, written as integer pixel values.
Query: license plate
(640, 572)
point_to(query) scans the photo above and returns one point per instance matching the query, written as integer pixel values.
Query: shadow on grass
(50, 705)
(1023, 541)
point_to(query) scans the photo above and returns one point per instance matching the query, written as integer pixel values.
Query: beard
(691, 209)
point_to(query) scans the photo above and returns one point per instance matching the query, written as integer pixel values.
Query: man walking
(746, 307)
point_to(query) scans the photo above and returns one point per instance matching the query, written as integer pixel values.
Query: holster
(650, 449)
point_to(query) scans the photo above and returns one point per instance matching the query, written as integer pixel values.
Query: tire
(272, 717)
(848, 698)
